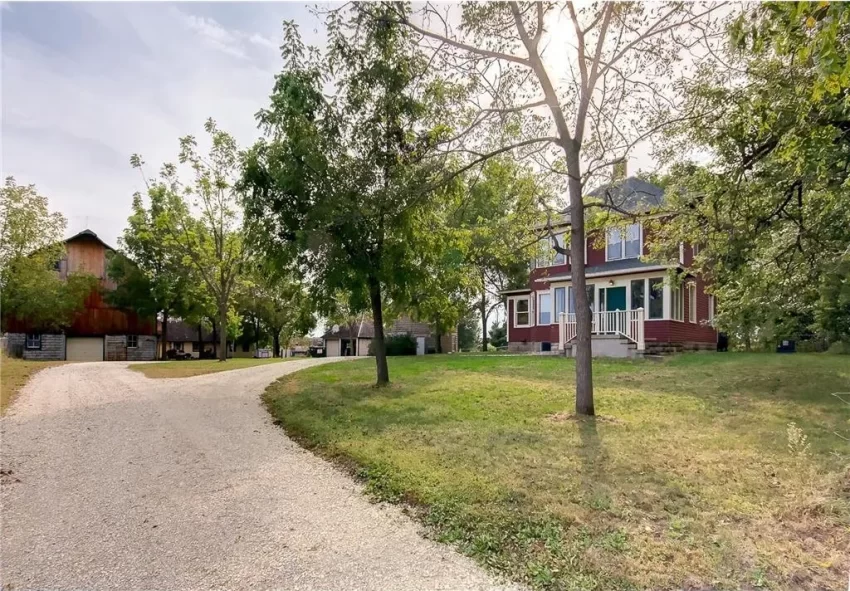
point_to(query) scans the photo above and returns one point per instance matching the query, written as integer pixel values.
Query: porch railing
(627, 323)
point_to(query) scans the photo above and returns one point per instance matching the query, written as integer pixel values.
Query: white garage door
(84, 349)
(332, 348)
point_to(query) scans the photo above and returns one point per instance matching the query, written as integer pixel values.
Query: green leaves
(31, 245)
(771, 209)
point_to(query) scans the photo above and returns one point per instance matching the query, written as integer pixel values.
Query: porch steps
(608, 346)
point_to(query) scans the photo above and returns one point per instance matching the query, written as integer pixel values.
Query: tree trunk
(222, 337)
(200, 340)
(215, 337)
(483, 310)
(380, 347)
(439, 334)
(276, 344)
(582, 347)
(164, 334)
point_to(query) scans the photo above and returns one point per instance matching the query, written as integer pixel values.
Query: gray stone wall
(13, 344)
(117, 350)
(146, 351)
(116, 347)
(52, 349)
(518, 347)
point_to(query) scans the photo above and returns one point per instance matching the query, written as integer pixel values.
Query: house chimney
(620, 170)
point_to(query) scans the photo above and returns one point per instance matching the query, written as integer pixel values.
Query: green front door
(615, 298)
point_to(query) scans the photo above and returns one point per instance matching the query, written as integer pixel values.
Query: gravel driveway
(122, 482)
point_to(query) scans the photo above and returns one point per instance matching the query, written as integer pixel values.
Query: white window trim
(682, 253)
(129, 346)
(516, 300)
(27, 342)
(711, 309)
(692, 303)
(678, 291)
(623, 236)
(566, 309)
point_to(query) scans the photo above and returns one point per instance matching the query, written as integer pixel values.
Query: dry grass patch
(687, 478)
(197, 367)
(14, 374)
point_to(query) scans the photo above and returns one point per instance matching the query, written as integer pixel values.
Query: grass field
(689, 478)
(197, 367)
(14, 373)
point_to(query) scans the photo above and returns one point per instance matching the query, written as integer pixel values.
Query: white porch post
(562, 328)
(641, 316)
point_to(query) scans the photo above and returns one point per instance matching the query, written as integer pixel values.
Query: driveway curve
(115, 481)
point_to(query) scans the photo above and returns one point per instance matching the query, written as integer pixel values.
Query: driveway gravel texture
(115, 481)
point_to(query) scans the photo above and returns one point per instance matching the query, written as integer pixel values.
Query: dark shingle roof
(633, 195)
(182, 331)
(90, 235)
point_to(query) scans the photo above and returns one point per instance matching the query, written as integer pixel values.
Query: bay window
(638, 289)
(656, 298)
(560, 302)
(545, 309)
(677, 303)
(692, 302)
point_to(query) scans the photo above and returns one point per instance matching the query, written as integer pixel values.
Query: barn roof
(89, 235)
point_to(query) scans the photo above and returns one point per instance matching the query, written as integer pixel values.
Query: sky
(86, 85)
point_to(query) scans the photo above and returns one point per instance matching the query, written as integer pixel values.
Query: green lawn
(685, 480)
(14, 374)
(197, 367)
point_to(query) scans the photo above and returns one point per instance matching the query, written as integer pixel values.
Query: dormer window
(623, 244)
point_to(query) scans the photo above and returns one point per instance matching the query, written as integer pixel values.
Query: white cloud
(147, 75)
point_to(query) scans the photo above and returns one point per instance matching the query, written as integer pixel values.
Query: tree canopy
(771, 209)
(31, 250)
(345, 184)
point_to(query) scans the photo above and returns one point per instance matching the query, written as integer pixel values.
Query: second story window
(623, 244)
(559, 258)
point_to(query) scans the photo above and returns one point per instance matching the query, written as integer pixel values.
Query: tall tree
(150, 276)
(343, 183)
(31, 248)
(501, 216)
(576, 103)
(280, 305)
(201, 219)
(770, 209)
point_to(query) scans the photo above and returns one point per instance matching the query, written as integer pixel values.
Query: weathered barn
(99, 331)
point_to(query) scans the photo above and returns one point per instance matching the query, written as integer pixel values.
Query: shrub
(397, 344)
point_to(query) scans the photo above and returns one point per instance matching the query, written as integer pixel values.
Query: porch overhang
(606, 273)
(509, 292)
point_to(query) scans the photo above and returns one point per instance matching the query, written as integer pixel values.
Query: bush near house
(711, 471)
(397, 344)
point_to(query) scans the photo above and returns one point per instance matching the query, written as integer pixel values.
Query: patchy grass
(689, 479)
(197, 367)
(14, 373)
